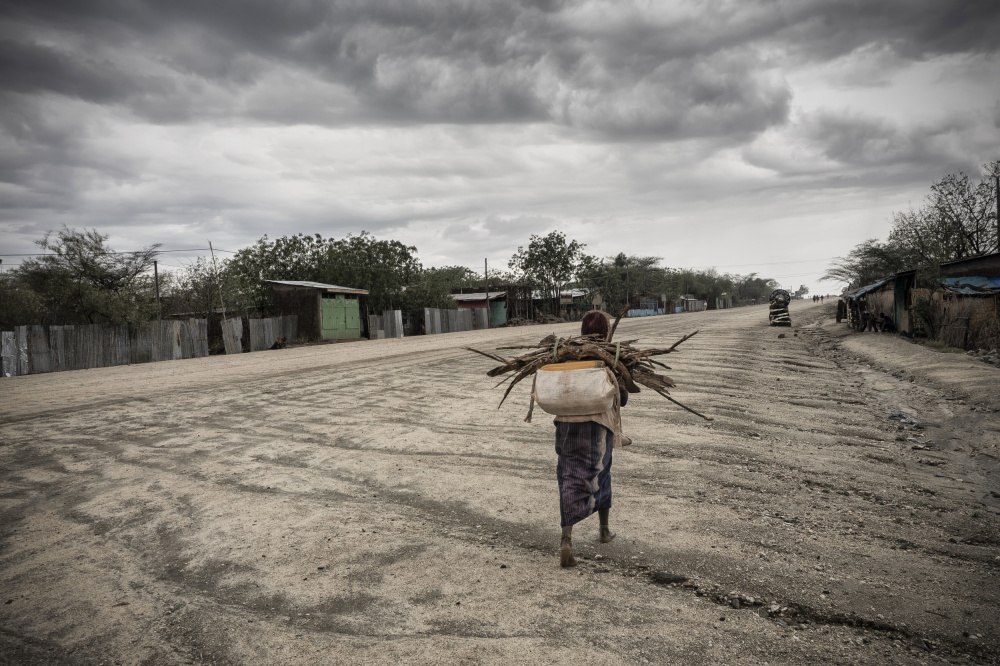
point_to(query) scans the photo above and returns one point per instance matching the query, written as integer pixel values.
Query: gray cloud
(618, 73)
(397, 63)
(474, 123)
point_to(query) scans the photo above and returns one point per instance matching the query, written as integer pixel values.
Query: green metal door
(352, 317)
(334, 321)
(341, 318)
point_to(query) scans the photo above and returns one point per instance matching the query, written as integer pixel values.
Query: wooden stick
(686, 337)
(684, 406)
(492, 356)
(614, 327)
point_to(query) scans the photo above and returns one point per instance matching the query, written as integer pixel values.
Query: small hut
(983, 266)
(496, 301)
(325, 311)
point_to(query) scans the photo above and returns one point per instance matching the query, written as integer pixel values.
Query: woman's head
(594, 322)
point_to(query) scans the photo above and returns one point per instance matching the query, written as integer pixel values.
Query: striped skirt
(583, 470)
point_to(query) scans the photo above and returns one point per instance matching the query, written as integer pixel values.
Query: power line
(50, 254)
(773, 263)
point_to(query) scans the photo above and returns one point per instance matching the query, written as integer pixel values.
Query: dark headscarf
(594, 322)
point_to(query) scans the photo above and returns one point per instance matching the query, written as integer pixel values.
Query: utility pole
(156, 279)
(486, 279)
(996, 183)
(217, 282)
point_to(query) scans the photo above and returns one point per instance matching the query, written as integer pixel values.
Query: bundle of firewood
(633, 367)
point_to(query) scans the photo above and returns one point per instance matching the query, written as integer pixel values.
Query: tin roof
(971, 286)
(575, 293)
(870, 288)
(319, 285)
(481, 296)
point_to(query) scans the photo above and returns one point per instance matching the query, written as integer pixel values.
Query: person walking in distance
(584, 445)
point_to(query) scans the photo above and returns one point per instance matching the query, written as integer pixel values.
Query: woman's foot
(566, 558)
(606, 534)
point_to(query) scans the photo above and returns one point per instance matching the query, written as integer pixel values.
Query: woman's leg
(603, 496)
(606, 534)
(566, 558)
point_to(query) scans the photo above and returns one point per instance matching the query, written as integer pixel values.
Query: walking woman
(584, 445)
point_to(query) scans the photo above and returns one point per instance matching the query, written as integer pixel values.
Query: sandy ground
(367, 503)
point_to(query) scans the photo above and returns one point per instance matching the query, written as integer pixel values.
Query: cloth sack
(576, 388)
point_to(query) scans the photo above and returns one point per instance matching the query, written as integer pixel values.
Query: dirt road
(367, 503)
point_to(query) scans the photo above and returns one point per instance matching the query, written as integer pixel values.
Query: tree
(548, 263)
(750, 287)
(387, 269)
(82, 280)
(296, 257)
(383, 267)
(867, 263)
(957, 219)
(622, 279)
(801, 291)
(194, 290)
(19, 304)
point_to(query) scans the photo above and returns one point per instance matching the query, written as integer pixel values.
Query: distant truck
(778, 314)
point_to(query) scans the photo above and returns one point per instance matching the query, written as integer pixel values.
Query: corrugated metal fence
(168, 341)
(648, 312)
(265, 332)
(29, 350)
(453, 321)
(388, 325)
(261, 333)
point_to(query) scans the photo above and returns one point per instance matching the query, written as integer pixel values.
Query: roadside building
(983, 266)
(691, 303)
(722, 301)
(496, 301)
(868, 305)
(574, 303)
(969, 295)
(970, 302)
(325, 311)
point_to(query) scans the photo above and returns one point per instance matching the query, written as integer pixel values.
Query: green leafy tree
(956, 220)
(750, 287)
(622, 280)
(867, 263)
(296, 257)
(383, 267)
(19, 304)
(388, 269)
(194, 290)
(81, 280)
(548, 263)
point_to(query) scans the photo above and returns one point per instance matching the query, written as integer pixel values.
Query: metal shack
(325, 311)
(478, 301)
(983, 266)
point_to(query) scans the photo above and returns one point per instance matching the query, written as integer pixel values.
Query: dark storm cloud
(588, 66)
(914, 29)
(27, 67)
(405, 62)
(856, 140)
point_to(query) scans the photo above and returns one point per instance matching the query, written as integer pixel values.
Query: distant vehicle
(778, 314)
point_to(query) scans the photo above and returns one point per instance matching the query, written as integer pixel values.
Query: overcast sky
(750, 135)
